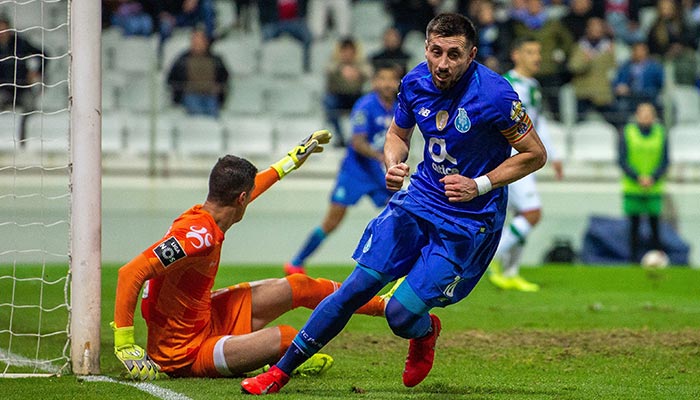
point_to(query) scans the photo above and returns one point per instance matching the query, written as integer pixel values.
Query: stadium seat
(248, 136)
(246, 95)
(684, 141)
(292, 98)
(113, 132)
(594, 141)
(282, 56)
(686, 103)
(321, 52)
(198, 135)
(290, 130)
(369, 20)
(136, 54)
(48, 133)
(567, 104)
(240, 54)
(559, 136)
(139, 128)
(175, 46)
(143, 93)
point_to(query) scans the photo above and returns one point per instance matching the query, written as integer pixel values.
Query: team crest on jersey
(441, 119)
(462, 122)
(517, 111)
(169, 251)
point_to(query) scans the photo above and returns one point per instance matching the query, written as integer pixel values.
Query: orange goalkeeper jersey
(176, 303)
(178, 273)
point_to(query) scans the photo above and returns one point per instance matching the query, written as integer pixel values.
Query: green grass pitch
(590, 333)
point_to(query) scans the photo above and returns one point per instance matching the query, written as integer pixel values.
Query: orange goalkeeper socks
(308, 292)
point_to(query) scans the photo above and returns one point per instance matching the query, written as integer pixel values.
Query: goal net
(38, 192)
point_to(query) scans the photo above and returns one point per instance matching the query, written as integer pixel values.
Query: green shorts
(642, 204)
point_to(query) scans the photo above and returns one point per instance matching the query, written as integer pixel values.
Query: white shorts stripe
(220, 359)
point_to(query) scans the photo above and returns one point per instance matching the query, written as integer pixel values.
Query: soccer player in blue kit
(362, 169)
(441, 231)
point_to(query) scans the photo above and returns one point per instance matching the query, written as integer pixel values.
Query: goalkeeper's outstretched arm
(293, 160)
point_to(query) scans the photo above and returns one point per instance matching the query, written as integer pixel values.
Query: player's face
(448, 58)
(386, 84)
(528, 58)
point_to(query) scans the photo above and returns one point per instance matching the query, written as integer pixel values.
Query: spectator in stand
(411, 15)
(199, 78)
(557, 44)
(130, 16)
(495, 37)
(20, 67)
(345, 80)
(321, 10)
(577, 18)
(591, 64)
(623, 18)
(172, 14)
(639, 80)
(392, 51)
(674, 40)
(286, 16)
(644, 162)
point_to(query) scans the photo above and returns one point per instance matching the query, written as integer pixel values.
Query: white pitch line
(21, 361)
(153, 390)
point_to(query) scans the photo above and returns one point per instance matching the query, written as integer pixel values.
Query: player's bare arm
(360, 144)
(396, 147)
(531, 157)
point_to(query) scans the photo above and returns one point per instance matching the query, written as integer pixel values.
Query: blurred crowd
(612, 52)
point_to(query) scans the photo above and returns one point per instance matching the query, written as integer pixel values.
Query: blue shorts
(353, 183)
(442, 261)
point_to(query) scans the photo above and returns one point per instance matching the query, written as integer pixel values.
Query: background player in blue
(442, 231)
(362, 170)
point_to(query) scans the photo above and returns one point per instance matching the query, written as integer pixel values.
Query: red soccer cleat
(265, 383)
(290, 269)
(421, 353)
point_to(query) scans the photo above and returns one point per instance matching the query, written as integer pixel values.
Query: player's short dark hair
(452, 24)
(230, 177)
(384, 65)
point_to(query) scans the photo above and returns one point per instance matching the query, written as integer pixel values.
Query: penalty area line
(153, 390)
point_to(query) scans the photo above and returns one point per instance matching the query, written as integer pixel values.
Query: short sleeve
(403, 116)
(510, 115)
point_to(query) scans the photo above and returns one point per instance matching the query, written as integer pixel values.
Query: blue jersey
(360, 175)
(369, 117)
(468, 130)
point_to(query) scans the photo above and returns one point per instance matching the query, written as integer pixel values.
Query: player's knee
(404, 323)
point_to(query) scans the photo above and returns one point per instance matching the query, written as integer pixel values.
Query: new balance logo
(424, 112)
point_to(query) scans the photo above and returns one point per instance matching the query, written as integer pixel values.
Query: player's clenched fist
(459, 188)
(395, 176)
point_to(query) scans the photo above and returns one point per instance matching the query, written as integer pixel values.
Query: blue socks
(332, 314)
(312, 242)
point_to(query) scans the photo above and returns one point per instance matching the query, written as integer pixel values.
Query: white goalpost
(50, 187)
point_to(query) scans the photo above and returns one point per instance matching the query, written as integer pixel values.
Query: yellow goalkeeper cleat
(500, 281)
(316, 365)
(519, 283)
(386, 296)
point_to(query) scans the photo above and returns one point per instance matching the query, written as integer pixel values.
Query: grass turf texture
(590, 333)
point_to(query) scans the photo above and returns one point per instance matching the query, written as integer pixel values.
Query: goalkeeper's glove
(297, 155)
(139, 366)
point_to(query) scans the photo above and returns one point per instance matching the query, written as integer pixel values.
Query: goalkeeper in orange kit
(192, 330)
